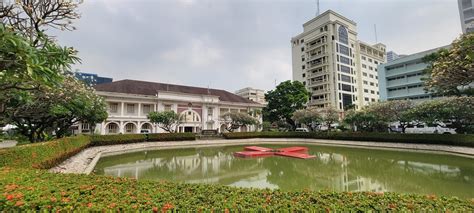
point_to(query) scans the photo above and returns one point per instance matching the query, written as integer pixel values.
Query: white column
(121, 127)
(139, 109)
(121, 108)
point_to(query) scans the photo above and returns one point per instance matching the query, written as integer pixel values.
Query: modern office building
(466, 13)
(130, 101)
(391, 55)
(402, 78)
(91, 79)
(369, 57)
(327, 59)
(256, 95)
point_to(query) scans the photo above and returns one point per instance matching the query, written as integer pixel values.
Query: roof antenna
(317, 7)
(208, 91)
(375, 31)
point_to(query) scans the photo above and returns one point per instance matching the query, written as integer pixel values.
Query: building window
(304, 75)
(345, 60)
(85, 127)
(167, 107)
(130, 108)
(371, 83)
(346, 78)
(345, 69)
(130, 128)
(302, 49)
(366, 90)
(210, 111)
(364, 66)
(364, 74)
(146, 108)
(365, 82)
(112, 128)
(372, 92)
(302, 67)
(343, 36)
(344, 50)
(113, 107)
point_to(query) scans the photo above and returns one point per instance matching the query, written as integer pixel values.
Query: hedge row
(455, 140)
(42, 155)
(99, 140)
(40, 190)
(49, 154)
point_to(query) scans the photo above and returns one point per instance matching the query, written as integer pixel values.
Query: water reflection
(339, 169)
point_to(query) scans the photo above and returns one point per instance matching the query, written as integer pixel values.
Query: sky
(232, 44)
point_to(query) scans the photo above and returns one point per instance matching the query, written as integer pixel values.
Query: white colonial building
(130, 101)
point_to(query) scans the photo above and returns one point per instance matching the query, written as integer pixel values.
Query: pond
(334, 168)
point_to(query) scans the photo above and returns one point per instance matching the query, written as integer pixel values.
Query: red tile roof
(151, 88)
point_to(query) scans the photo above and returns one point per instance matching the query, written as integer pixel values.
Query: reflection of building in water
(427, 168)
(197, 168)
(132, 169)
(349, 182)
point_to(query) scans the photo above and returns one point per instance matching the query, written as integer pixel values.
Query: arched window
(190, 116)
(112, 128)
(343, 36)
(130, 128)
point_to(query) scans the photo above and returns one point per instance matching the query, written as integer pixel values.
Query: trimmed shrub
(40, 191)
(171, 137)
(101, 140)
(42, 155)
(455, 140)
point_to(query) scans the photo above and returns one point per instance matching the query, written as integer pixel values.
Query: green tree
(235, 120)
(32, 18)
(362, 121)
(310, 117)
(284, 101)
(49, 110)
(24, 67)
(330, 115)
(392, 111)
(166, 120)
(451, 71)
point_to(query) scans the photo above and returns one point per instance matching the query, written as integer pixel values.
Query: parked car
(301, 130)
(427, 129)
(422, 128)
(145, 131)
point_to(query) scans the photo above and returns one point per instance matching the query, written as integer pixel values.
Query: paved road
(7, 143)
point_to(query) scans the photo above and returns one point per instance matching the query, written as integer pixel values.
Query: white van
(422, 128)
(301, 130)
(428, 129)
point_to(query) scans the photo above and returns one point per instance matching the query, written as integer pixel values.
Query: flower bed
(25, 185)
(455, 140)
(29, 189)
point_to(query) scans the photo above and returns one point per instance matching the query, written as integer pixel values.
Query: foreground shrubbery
(42, 155)
(456, 140)
(99, 140)
(22, 187)
(30, 189)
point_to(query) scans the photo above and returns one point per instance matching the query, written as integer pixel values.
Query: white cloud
(198, 52)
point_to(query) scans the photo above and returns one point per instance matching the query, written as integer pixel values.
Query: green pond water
(334, 168)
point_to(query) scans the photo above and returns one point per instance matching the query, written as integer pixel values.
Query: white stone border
(85, 161)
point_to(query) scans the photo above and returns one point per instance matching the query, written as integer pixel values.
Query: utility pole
(375, 31)
(317, 7)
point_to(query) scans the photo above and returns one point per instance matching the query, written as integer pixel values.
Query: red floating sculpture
(256, 151)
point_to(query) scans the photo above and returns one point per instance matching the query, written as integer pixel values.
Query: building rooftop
(151, 88)
(330, 12)
(407, 58)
